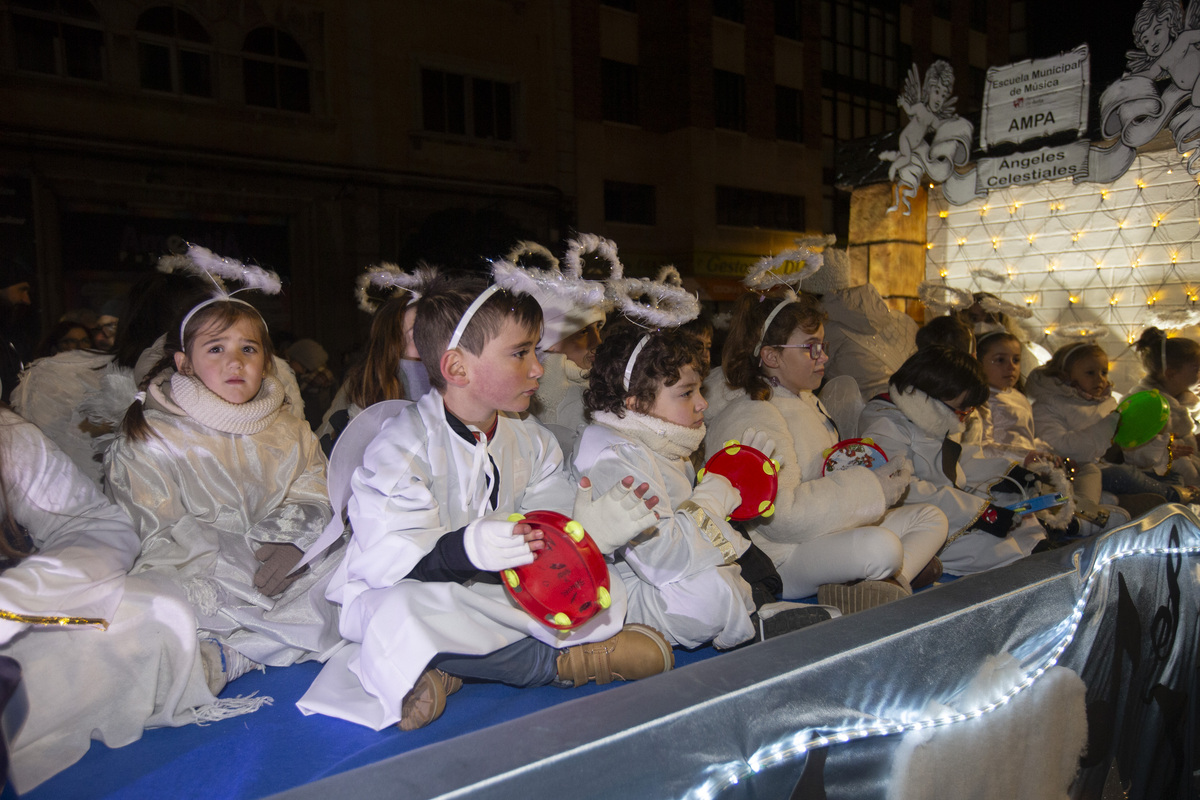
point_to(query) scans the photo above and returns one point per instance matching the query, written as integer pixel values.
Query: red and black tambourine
(567, 583)
(754, 475)
(853, 453)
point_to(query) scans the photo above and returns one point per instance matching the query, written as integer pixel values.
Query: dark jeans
(522, 664)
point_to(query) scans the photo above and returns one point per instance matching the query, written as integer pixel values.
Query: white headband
(469, 313)
(209, 302)
(787, 301)
(637, 351)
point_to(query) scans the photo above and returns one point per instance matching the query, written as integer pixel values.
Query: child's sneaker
(223, 664)
(850, 598)
(776, 619)
(426, 701)
(638, 651)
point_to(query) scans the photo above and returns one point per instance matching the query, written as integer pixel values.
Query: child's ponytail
(1159, 353)
(134, 425)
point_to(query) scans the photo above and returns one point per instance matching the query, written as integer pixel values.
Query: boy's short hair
(661, 361)
(443, 304)
(943, 374)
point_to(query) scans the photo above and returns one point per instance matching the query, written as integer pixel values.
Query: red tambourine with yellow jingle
(754, 475)
(567, 583)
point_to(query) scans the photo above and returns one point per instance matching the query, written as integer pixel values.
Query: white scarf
(932, 416)
(188, 396)
(657, 435)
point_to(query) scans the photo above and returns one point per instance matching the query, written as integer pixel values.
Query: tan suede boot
(638, 651)
(426, 701)
(851, 598)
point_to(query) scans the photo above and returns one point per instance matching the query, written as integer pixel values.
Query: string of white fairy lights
(724, 776)
(1112, 258)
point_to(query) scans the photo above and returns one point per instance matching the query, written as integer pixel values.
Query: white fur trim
(932, 416)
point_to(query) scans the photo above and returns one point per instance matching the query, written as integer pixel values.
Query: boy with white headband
(422, 605)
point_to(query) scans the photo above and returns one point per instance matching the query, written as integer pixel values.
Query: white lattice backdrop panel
(1109, 258)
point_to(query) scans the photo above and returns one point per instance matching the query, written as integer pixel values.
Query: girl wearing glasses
(837, 534)
(922, 417)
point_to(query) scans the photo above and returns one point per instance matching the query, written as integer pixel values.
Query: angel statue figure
(1161, 89)
(930, 109)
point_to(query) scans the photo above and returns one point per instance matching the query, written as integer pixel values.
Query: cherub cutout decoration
(934, 141)
(1160, 90)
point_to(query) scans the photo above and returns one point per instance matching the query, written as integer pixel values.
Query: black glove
(1027, 478)
(995, 520)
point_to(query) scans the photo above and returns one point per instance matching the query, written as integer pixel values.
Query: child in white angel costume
(103, 655)
(422, 604)
(226, 489)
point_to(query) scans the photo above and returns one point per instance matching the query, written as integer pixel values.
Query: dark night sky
(1105, 25)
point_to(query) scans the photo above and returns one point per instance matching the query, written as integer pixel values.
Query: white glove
(492, 546)
(716, 495)
(894, 478)
(759, 441)
(613, 518)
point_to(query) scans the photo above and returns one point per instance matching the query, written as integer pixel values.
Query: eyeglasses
(961, 413)
(815, 349)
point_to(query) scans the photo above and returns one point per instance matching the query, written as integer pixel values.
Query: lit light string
(1080, 255)
(793, 747)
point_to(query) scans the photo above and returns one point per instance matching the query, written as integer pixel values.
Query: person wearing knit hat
(309, 361)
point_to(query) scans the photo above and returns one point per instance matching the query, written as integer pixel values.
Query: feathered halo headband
(569, 285)
(994, 305)
(389, 276)
(655, 304)
(765, 275)
(944, 298)
(204, 262)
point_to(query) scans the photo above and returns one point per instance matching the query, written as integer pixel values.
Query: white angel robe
(420, 479)
(204, 501)
(917, 425)
(80, 681)
(680, 582)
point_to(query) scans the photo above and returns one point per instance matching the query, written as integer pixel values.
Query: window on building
(462, 105)
(174, 52)
(59, 37)
(619, 91)
(275, 71)
(789, 19)
(979, 15)
(733, 10)
(729, 100)
(629, 202)
(747, 208)
(789, 114)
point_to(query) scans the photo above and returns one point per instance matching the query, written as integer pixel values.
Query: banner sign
(1035, 98)
(1046, 164)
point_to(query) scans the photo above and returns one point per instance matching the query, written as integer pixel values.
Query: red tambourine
(567, 583)
(751, 473)
(853, 453)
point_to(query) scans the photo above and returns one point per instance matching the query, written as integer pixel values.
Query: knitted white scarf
(189, 396)
(657, 435)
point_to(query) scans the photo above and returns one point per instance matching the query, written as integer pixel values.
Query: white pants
(904, 541)
(711, 605)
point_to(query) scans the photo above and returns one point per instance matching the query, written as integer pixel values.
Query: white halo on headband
(670, 305)
(1174, 318)
(765, 275)
(591, 243)
(204, 262)
(532, 249)
(944, 298)
(994, 305)
(387, 275)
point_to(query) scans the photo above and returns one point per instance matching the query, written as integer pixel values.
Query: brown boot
(931, 573)
(850, 598)
(426, 701)
(638, 651)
